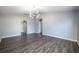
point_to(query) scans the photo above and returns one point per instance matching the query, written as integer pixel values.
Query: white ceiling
(42, 9)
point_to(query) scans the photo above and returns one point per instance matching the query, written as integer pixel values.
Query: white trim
(43, 34)
(62, 38)
(10, 36)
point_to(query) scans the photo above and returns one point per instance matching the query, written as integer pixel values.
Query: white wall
(11, 25)
(78, 27)
(76, 22)
(30, 24)
(59, 25)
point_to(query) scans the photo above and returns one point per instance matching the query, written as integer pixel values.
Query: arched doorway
(24, 28)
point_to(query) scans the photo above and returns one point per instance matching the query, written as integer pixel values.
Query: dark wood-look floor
(34, 43)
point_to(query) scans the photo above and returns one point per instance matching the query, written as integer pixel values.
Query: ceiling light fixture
(34, 12)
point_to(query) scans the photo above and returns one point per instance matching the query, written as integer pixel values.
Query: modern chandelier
(34, 12)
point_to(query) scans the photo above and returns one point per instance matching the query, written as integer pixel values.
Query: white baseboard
(62, 38)
(10, 36)
(43, 34)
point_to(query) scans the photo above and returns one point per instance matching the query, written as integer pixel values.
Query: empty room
(39, 29)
